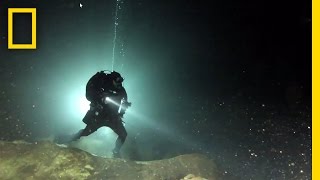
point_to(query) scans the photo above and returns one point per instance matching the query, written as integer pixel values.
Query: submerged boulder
(46, 160)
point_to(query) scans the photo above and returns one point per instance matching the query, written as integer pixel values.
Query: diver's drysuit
(108, 104)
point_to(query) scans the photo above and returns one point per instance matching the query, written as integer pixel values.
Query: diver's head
(116, 79)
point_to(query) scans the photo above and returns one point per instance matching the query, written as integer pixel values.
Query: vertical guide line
(115, 33)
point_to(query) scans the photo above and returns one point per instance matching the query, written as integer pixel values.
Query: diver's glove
(124, 105)
(127, 104)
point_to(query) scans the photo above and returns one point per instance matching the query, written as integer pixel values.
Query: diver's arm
(125, 97)
(124, 94)
(125, 102)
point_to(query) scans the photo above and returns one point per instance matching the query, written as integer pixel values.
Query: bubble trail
(115, 33)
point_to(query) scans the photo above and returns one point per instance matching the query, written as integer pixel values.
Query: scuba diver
(109, 102)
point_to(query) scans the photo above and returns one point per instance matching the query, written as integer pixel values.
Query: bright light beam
(163, 129)
(108, 99)
(83, 105)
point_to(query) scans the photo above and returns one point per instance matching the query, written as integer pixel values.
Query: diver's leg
(119, 129)
(89, 129)
(89, 116)
(91, 121)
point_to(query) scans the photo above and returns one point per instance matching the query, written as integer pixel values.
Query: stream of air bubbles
(115, 31)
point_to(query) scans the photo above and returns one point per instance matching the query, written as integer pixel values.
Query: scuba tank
(94, 86)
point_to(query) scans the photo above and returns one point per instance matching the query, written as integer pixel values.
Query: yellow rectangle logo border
(33, 44)
(315, 89)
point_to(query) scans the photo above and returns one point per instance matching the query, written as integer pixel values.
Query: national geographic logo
(33, 12)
